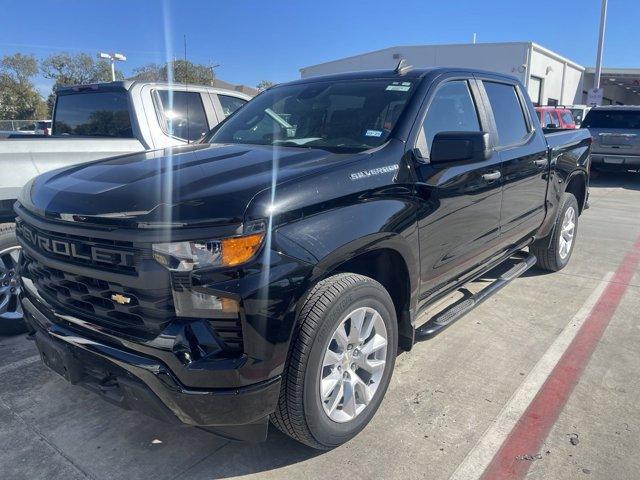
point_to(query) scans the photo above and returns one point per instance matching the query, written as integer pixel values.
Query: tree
(177, 71)
(264, 84)
(19, 99)
(76, 69)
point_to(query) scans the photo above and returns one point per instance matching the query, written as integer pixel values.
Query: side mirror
(460, 146)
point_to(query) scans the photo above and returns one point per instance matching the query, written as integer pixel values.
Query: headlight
(226, 252)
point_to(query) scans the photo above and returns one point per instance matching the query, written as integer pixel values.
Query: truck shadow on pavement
(628, 181)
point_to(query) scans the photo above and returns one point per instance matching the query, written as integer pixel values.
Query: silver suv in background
(616, 137)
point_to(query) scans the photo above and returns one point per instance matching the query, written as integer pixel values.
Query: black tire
(8, 240)
(547, 250)
(300, 413)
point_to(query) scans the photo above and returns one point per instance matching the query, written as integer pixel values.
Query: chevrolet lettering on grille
(75, 249)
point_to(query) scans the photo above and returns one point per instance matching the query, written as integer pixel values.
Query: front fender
(338, 235)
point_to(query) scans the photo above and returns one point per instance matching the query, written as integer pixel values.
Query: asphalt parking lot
(452, 402)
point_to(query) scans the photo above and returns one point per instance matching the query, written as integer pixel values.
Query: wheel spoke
(357, 320)
(364, 392)
(376, 343)
(334, 400)
(341, 337)
(368, 326)
(349, 406)
(330, 382)
(331, 358)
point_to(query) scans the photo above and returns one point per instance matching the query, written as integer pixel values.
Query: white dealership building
(550, 78)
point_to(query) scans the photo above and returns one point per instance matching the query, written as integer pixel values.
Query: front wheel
(11, 316)
(340, 361)
(553, 252)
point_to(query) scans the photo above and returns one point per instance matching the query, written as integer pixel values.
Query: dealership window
(535, 90)
(230, 104)
(508, 113)
(181, 114)
(451, 110)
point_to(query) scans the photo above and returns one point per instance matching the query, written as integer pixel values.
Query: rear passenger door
(459, 216)
(523, 154)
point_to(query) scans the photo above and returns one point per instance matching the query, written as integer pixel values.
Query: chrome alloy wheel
(353, 364)
(567, 232)
(10, 308)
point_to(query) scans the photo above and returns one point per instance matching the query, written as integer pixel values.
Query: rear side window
(507, 111)
(451, 110)
(612, 119)
(98, 114)
(181, 114)
(230, 104)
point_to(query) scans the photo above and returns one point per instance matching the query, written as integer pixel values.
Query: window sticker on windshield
(373, 133)
(399, 87)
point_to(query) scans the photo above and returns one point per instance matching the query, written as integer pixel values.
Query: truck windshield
(95, 114)
(612, 119)
(345, 116)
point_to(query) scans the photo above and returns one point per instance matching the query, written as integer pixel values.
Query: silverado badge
(121, 299)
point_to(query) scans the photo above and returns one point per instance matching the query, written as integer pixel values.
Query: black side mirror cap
(460, 146)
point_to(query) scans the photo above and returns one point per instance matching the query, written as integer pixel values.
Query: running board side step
(448, 316)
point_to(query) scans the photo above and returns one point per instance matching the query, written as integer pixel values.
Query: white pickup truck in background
(102, 120)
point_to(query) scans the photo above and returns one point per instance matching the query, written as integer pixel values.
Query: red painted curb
(536, 422)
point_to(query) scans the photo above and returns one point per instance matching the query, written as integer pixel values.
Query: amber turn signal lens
(238, 250)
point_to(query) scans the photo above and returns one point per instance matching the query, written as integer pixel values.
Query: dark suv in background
(616, 137)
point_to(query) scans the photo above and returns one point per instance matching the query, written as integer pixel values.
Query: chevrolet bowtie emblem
(121, 299)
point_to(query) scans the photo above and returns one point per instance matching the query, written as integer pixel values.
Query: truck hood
(189, 185)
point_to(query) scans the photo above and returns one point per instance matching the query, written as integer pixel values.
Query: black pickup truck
(274, 270)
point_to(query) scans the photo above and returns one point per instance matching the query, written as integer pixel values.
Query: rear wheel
(11, 317)
(340, 362)
(553, 252)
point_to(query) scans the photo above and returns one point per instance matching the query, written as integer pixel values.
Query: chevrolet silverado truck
(96, 121)
(274, 271)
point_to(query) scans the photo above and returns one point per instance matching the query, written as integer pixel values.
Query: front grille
(137, 310)
(146, 314)
(99, 253)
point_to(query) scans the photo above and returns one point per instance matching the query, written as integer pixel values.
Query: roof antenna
(186, 88)
(402, 67)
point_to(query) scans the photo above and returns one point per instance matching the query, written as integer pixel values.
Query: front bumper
(144, 384)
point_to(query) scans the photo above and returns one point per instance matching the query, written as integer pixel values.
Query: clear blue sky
(255, 40)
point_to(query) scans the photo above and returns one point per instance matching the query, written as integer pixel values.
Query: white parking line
(20, 363)
(477, 460)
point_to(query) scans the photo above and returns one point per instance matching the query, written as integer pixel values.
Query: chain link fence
(16, 125)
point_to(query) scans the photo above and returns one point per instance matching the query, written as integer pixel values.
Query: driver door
(459, 218)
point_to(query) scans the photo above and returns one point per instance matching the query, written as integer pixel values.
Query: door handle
(490, 177)
(541, 162)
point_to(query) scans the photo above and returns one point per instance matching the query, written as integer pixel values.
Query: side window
(547, 119)
(230, 104)
(451, 110)
(508, 113)
(181, 114)
(555, 119)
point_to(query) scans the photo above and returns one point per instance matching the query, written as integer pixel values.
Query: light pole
(603, 21)
(112, 57)
(213, 73)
